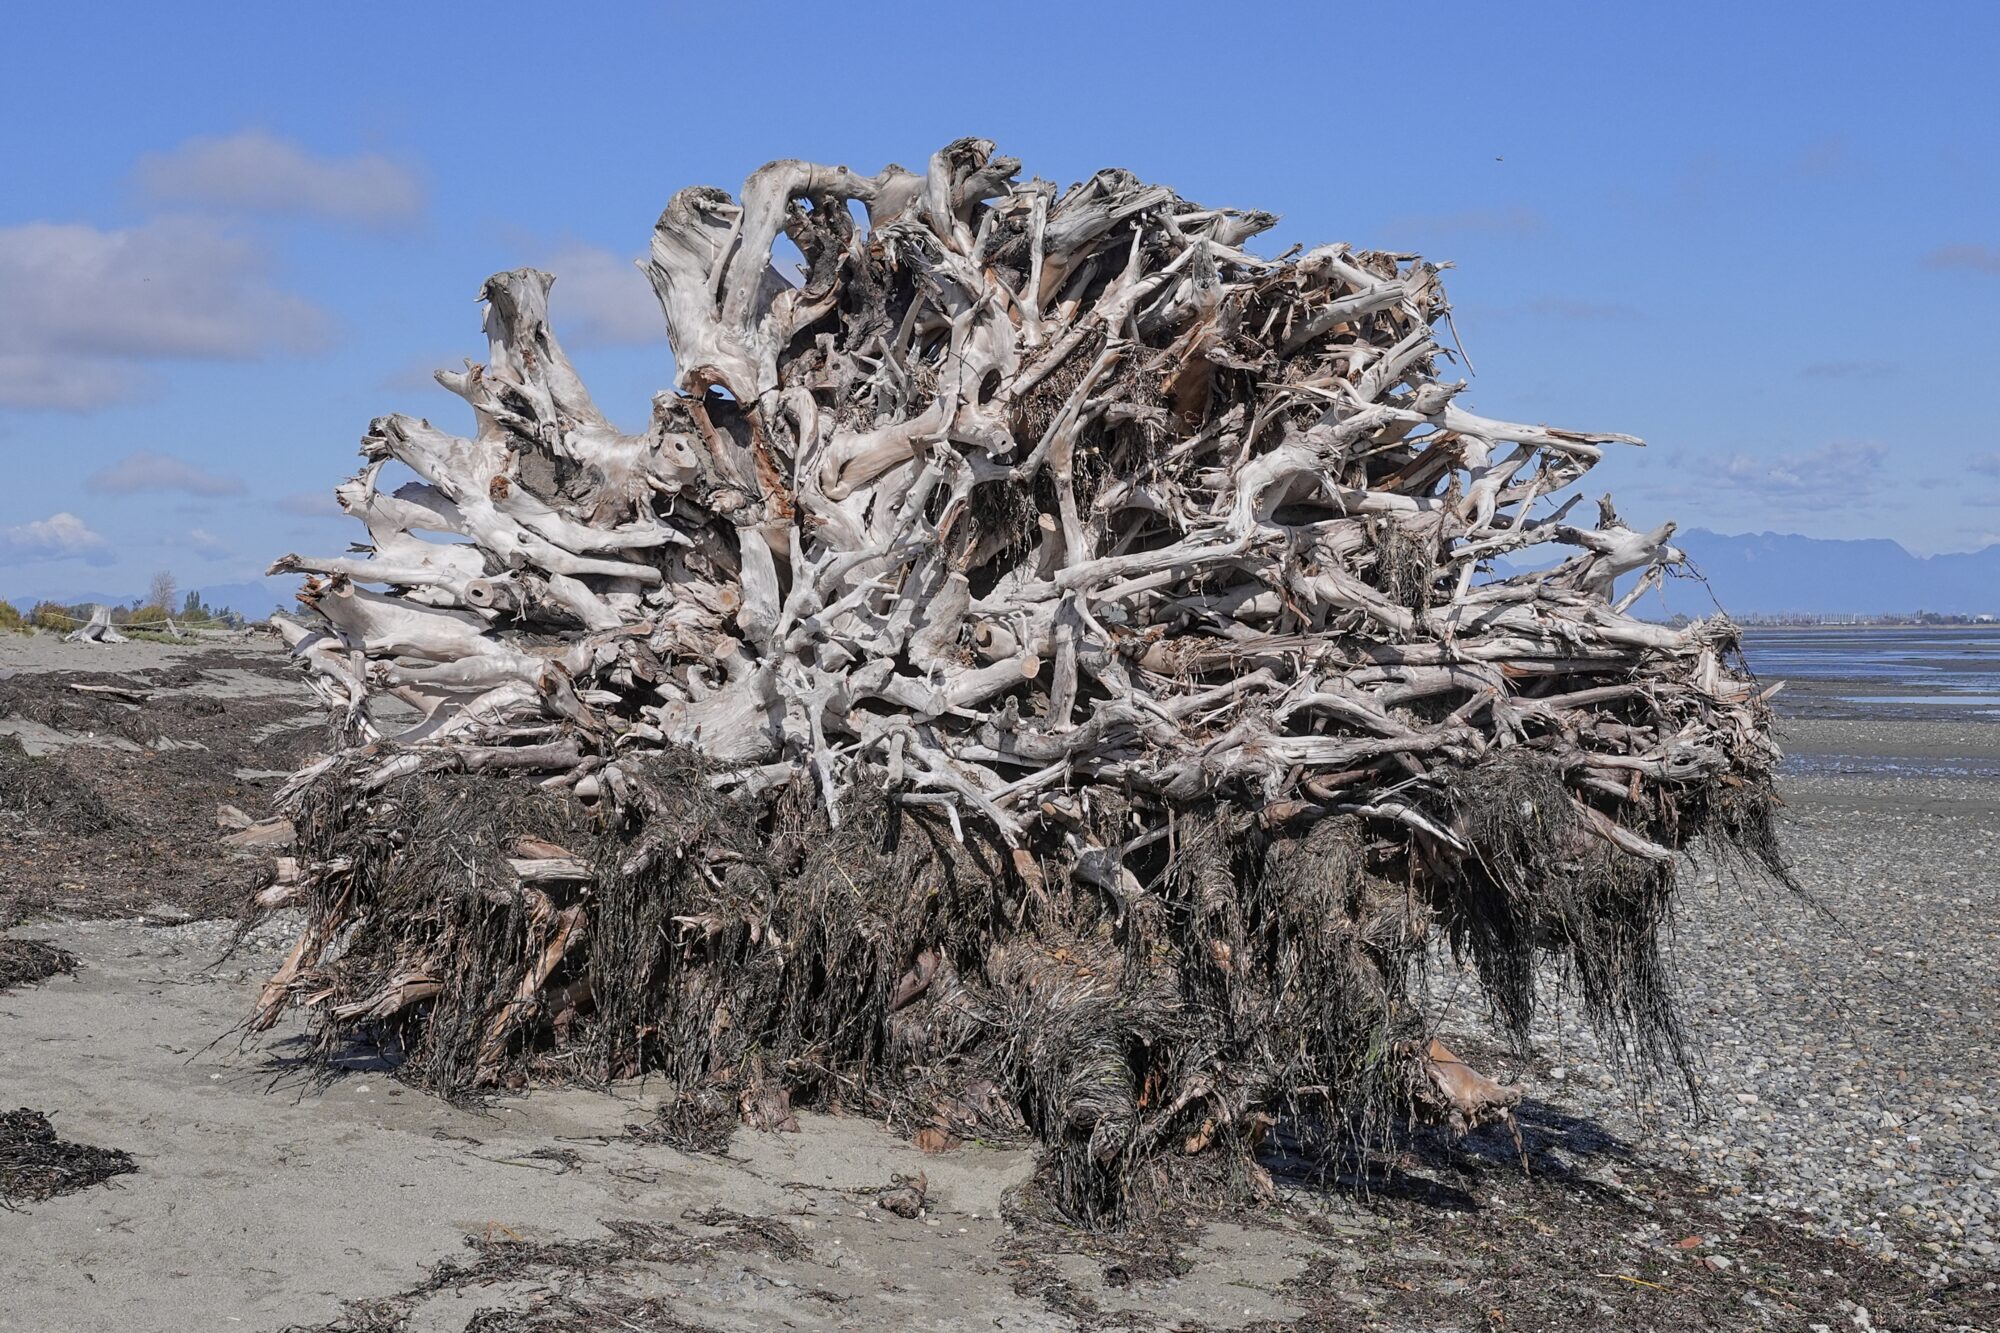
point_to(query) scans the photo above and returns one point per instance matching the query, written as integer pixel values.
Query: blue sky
(1764, 237)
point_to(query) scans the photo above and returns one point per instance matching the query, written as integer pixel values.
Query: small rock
(905, 1197)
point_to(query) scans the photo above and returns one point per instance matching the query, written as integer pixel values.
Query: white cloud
(1987, 464)
(83, 304)
(58, 537)
(207, 543)
(1832, 471)
(151, 473)
(600, 297)
(68, 384)
(257, 172)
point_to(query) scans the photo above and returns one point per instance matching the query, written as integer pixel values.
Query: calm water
(1962, 658)
(1884, 672)
(1936, 675)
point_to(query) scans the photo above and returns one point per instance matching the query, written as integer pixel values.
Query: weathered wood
(98, 629)
(1012, 501)
(119, 692)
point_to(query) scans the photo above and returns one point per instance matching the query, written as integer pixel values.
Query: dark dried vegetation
(36, 1165)
(752, 954)
(579, 1286)
(26, 962)
(120, 817)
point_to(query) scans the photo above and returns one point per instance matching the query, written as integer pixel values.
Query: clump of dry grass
(761, 958)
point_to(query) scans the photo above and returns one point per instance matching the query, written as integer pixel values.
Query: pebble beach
(1843, 1037)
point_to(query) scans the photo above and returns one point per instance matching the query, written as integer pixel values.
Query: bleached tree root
(98, 629)
(1128, 595)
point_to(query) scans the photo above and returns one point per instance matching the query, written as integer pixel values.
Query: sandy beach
(1843, 1155)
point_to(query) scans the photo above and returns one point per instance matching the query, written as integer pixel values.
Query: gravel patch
(168, 934)
(1846, 1054)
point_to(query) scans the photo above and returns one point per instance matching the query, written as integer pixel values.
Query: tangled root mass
(1042, 672)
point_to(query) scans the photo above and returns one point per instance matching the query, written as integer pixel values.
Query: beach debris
(48, 794)
(906, 1195)
(1466, 1097)
(36, 1165)
(557, 1161)
(111, 809)
(1046, 647)
(935, 1139)
(573, 1284)
(263, 835)
(766, 1104)
(98, 629)
(692, 1120)
(536, 860)
(123, 693)
(28, 962)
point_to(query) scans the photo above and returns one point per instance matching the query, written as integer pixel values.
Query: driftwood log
(1042, 666)
(98, 629)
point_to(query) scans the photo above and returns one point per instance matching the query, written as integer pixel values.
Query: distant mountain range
(1775, 573)
(1763, 573)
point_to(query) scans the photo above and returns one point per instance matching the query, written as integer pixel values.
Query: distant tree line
(162, 603)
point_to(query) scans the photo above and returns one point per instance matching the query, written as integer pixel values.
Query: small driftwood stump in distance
(98, 629)
(1042, 667)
